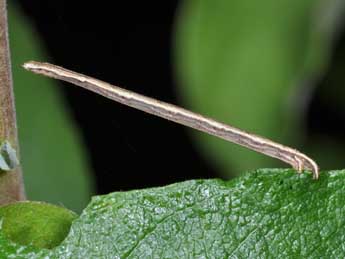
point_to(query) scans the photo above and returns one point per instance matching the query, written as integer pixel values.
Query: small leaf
(8, 157)
(39, 224)
(264, 214)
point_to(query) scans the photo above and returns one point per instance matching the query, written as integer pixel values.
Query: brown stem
(11, 182)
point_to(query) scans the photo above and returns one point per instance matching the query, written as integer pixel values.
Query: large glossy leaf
(251, 64)
(51, 152)
(266, 213)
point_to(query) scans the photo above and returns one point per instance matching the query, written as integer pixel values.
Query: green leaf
(52, 156)
(39, 224)
(8, 157)
(268, 213)
(248, 63)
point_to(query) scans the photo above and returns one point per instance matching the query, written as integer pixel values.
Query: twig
(11, 182)
(298, 160)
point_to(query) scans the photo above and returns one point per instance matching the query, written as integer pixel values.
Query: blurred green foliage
(52, 156)
(251, 64)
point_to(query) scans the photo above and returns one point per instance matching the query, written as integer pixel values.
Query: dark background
(129, 43)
